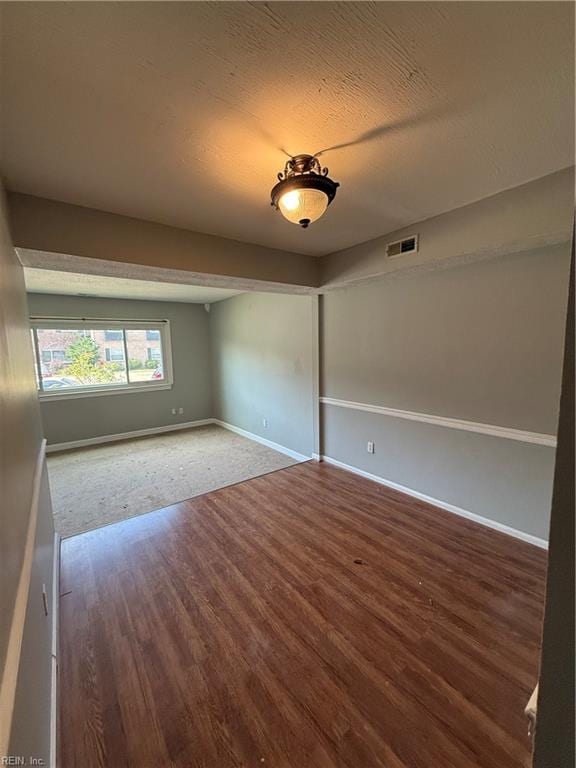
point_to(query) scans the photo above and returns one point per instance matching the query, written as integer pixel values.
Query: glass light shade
(303, 206)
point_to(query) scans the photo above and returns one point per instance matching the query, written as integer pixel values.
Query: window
(154, 353)
(114, 354)
(53, 355)
(76, 358)
(51, 359)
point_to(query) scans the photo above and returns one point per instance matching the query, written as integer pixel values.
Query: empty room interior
(287, 384)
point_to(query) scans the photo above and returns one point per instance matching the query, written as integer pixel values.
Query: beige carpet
(103, 484)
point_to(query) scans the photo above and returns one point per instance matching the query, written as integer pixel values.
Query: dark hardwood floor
(308, 618)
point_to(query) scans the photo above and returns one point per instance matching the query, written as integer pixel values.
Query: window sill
(46, 397)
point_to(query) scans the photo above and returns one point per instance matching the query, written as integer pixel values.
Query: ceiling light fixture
(304, 190)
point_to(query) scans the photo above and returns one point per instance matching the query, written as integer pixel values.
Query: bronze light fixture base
(290, 197)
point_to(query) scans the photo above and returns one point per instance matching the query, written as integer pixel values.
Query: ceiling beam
(70, 238)
(66, 233)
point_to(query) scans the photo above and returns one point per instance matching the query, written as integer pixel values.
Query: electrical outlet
(370, 446)
(265, 423)
(180, 411)
(173, 411)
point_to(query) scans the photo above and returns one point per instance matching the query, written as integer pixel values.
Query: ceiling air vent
(402, 247)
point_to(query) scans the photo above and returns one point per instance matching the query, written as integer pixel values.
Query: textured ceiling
(182, 112)
(70, 284)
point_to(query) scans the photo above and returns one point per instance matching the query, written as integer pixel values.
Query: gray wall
(480, 342)
(20, 426)
(81, 418)
(263, 353)
(31, 725)
(537, 214)
(26, 667)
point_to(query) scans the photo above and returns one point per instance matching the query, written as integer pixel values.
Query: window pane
(113, 335)
(72, 359)
(145, 360)
(115, 354)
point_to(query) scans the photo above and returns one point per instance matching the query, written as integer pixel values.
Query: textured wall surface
(82, 418)
(263, 366)
(480, 343)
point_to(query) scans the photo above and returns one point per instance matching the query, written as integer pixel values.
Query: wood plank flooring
(238, 629)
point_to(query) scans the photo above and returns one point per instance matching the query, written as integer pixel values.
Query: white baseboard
(262, 440)
(172, 428)
(126, 435)
(55, 652)
(542, 543)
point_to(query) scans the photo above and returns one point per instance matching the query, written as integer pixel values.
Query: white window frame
(88, 324)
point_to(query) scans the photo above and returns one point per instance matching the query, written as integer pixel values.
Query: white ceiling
(182, 112)
(72, 284)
